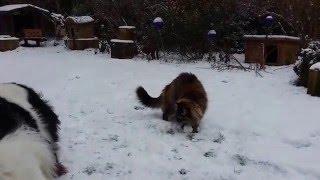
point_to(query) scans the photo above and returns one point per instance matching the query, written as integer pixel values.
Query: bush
(307, 58)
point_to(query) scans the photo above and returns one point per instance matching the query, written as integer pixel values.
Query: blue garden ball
(269, 20)
(158, 23)
(212, 34)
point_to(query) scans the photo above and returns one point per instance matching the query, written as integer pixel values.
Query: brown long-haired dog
(183, 100)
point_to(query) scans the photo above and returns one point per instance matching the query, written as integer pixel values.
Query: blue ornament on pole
(269, 21)
(158, 23)
(212, 35)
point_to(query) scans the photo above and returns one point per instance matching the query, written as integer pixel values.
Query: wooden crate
(122, 49)
(81, 44)
(8, 43)
(33, 35)
(127, 33)
(314, 83)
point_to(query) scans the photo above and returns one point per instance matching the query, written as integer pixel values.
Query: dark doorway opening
(271, 54)
(22, 21)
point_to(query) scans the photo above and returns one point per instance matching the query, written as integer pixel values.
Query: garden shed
(272, 49)
(15, 18)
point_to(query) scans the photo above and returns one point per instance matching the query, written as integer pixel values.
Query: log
(122, 49)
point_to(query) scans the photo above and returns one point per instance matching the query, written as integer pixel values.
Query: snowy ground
(255, 128)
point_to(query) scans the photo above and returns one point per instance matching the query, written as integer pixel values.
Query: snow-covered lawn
(255, 128)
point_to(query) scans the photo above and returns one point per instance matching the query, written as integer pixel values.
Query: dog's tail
(147, 100)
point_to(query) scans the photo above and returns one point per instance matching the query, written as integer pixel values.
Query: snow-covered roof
(275, 37)
(7, 37)
(316, 66)
(11, 7)
(83, 39)
(121, 41)
(127, 27)
(80, 19)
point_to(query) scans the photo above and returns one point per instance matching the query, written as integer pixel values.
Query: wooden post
(26, 42)
(314, 82)
(73, 37)
(262, 60)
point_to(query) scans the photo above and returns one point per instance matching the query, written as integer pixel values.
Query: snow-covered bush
(307, 58)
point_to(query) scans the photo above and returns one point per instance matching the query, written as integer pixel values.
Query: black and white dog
(28, 135)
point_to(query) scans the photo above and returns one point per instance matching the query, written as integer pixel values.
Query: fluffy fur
(29, 124)
(25, 155)
(183, 100)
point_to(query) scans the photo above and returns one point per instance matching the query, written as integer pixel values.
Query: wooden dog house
(15, 18)
(80, 33)
(271, 50)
